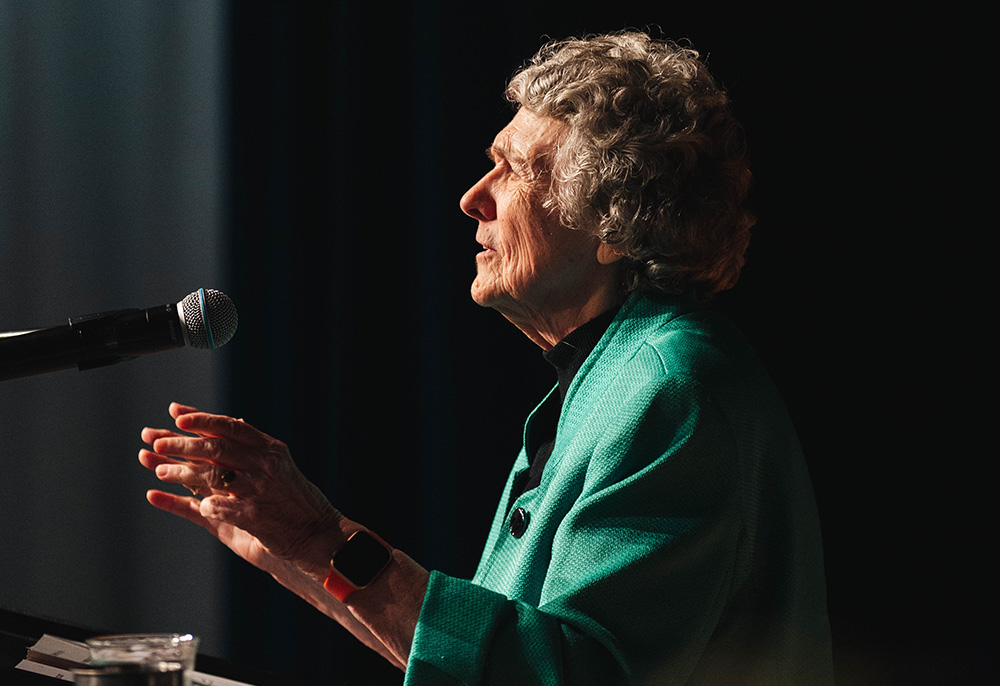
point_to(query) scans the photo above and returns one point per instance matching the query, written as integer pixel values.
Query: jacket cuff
(453, 632)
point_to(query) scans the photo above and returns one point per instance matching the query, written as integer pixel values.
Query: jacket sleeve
(640, 564)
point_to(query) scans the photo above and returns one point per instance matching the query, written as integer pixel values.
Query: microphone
(204, 319)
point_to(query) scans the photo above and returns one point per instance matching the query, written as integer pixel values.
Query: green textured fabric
(673, 538)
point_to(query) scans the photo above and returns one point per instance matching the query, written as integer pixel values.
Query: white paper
(39, 668)
(62, 648)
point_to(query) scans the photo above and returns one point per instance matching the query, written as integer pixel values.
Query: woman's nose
(478, 201)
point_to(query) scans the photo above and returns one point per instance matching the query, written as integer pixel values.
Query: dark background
(351, 132)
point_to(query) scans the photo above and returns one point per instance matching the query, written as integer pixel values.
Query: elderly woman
(658, 526)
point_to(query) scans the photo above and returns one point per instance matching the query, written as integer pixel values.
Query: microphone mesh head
(210, 318)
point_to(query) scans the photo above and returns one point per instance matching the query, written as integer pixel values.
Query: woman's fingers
(176, 410)
(193, 462)
(149, 434)
(168, 470)
(151, 460)
(180, 473)
(200, 478)
(214, 436)
(182, 506)
(208, 449)
(187, 508)
(221, 426)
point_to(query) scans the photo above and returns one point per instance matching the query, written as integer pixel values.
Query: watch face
(361, 558)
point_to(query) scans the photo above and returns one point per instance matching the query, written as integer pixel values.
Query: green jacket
(673, 538)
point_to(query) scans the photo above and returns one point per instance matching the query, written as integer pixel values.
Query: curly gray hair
(654, 163)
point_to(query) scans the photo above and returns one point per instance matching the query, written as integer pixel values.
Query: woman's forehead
(527, 137)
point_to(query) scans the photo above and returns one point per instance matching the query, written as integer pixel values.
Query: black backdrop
(354, 131)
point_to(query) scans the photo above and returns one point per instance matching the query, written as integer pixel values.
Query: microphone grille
(210, 318)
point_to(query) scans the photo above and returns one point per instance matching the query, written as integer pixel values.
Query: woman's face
(531, 265)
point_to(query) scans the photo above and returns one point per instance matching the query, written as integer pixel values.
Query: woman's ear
(607, 255)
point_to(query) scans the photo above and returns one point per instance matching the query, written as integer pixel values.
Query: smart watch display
(358, 563)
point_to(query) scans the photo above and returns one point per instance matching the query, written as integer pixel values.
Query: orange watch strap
(339, 587)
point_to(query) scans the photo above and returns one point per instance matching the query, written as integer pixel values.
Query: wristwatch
(358, 563)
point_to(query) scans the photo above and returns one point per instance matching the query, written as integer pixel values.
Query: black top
(566, 357)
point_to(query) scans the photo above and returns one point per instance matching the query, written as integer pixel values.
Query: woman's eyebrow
(502, 152)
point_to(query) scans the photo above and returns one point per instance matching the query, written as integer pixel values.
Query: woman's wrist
(326, 537)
